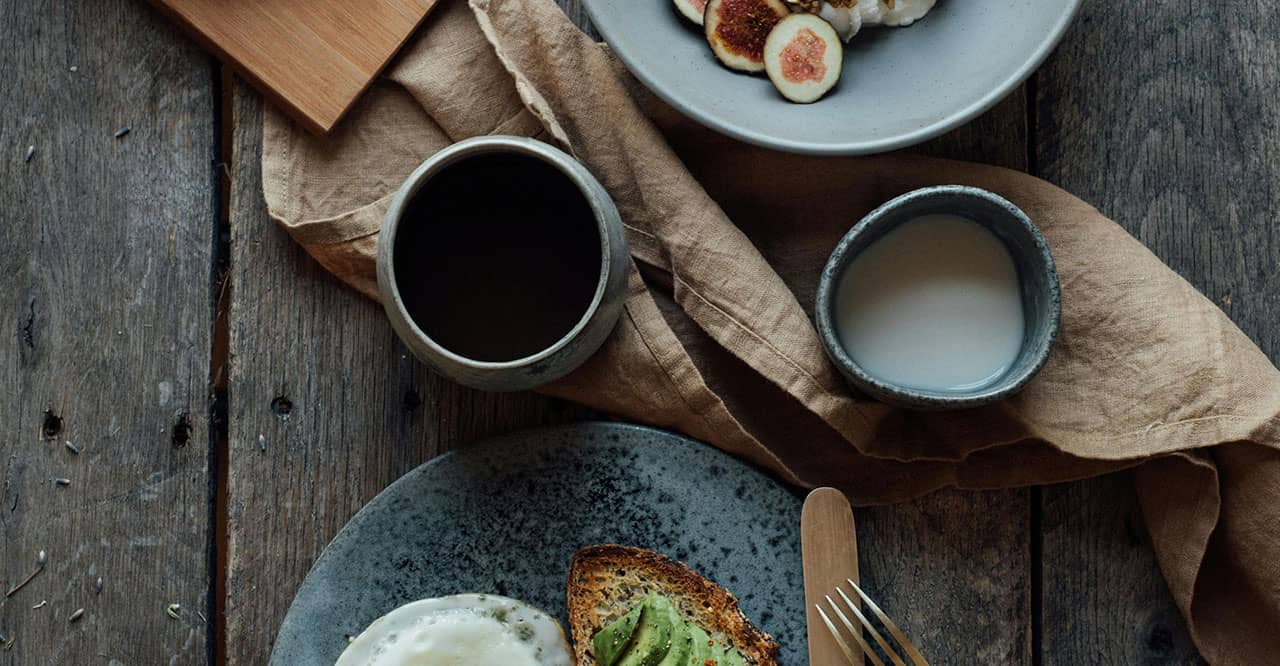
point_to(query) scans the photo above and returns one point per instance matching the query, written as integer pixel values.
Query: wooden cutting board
(312, 57)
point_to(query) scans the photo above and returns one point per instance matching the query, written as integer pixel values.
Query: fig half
(803, 56)
(737, 30)
(692, 9)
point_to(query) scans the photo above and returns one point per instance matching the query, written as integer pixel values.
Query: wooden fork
(839, 609)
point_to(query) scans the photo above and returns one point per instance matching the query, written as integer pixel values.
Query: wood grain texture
(313, 57)
(997, 137)
(1164, 118)
(953, 570)
(106, 249)
(1105, 601)
(1180, 145)
(327, 407)
(829, 543)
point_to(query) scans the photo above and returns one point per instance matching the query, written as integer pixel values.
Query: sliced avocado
(703, 647)
(612, 641)
(681, 643)
(652, 639)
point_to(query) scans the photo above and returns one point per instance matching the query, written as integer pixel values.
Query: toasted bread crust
(607, 581)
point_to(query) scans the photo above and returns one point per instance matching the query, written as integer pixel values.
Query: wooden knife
(830, 547)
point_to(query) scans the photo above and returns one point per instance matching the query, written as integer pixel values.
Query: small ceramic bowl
(1037, 276)
(571, 350)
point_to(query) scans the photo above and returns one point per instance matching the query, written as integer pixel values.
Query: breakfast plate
(899, 87)
(506, 515)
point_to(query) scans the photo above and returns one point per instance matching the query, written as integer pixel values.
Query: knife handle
(830, 545)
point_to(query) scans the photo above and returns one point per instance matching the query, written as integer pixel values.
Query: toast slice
(605, 582)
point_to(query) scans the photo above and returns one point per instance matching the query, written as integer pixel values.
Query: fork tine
(910, 648)
(857, 634)
(848, 652)
(897, 661)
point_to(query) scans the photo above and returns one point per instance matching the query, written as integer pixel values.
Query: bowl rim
(638, 68)
(916, 398)
(474, 147)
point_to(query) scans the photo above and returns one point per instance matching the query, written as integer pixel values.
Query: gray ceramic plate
(505, 515)
(900, 86)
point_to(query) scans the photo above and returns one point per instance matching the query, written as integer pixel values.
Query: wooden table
(233, 404)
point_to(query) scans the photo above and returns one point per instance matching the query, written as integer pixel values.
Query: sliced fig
(737, 30)
(692, 9)
(803, 56)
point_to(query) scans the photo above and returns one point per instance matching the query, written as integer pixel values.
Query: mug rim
(887, 391)
(473, 147)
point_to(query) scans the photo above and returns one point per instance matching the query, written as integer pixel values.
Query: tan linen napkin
(716, 340)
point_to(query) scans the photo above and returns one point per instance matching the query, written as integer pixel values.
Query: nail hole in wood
(181, 433)
(51, 426)
(282, 406)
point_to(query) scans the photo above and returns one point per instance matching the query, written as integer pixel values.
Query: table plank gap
(220, 360)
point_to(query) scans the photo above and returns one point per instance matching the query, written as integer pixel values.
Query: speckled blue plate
(506, 514)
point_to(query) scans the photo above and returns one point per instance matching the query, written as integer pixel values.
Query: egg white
(465, 629)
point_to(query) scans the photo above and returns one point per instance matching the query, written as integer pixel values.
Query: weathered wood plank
(106, 248)
(326, 407)
(1104, 599)
(953, 569)
(1162, 116)
(1180, 144)
(997, 137)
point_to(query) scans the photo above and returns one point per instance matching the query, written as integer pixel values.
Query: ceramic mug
(570, 350)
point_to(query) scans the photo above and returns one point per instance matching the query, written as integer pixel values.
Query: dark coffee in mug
(498, 257)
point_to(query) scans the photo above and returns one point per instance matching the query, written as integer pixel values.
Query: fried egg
(466, 629)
